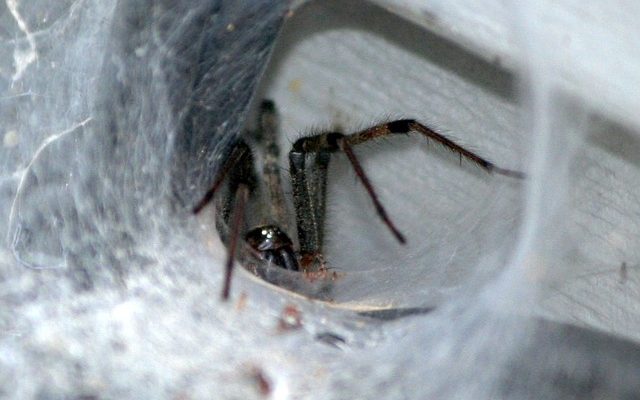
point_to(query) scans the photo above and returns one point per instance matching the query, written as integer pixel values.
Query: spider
(309, 157)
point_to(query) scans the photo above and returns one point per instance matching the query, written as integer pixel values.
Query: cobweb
(115, 117)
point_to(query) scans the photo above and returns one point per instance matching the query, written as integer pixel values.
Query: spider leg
(238, 153)
(241, 198)
(309, 188)
(406, 126)
(309, 195)
(309, 220)
(242, 180)
(277, 211)
(382, 213)
(319, 188)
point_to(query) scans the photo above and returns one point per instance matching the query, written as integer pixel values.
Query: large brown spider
(308, 163)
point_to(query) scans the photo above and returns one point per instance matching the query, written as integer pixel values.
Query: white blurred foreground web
(114, 117)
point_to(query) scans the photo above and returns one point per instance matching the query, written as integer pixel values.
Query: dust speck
(295, 85)
(10, 139)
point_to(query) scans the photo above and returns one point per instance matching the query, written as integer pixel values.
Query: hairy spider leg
(310, 221)
(319, 184)
(241, 198)
(237, 153)
(406, 126)
(267, 132)
(242, 181)
(269, 239)
(309, 192)
(346, 148)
